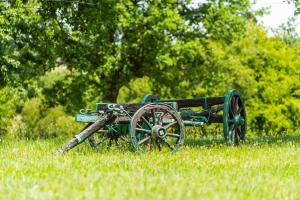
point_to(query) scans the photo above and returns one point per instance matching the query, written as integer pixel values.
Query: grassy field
(263, 168)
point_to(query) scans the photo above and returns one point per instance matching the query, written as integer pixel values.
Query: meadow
(205, 168)
(59, 56)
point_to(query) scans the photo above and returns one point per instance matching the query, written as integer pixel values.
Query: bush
(135, 90)
(10, 100)
(56, 124)
(38, 122)
(32, 112)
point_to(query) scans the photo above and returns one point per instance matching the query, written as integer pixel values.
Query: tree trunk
(111, 94)
(112, 91)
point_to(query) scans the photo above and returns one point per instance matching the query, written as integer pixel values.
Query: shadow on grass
(251, 141)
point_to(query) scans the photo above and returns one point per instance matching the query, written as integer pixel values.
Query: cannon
(160, 124)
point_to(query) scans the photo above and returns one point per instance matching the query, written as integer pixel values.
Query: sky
(280, 12)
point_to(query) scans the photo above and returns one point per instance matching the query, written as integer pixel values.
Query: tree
(297, 5)
(112, 42)
(77, 52)
(26, 45)
(287, 32)
(266, 70)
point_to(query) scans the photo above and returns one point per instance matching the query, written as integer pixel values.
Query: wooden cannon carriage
(155, 123)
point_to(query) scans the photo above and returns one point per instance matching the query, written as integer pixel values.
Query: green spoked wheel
(234, 118)
(112, 134)
(156, 126)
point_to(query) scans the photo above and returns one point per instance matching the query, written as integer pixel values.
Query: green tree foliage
(26, 42)
(113, 42)
(73, 54)
(56, 124)
(61, 86)
(10, 102)
(36, 120)
(287, 32)
(136, 89)
(297, 5)
(267, 71)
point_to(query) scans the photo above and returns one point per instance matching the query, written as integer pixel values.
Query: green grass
(263, 168)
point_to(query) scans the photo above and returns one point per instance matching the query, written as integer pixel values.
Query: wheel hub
(238, 120)
(159, 131)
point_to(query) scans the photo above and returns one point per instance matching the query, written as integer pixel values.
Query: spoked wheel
(156, 126)
(234, 118)
(109, 135)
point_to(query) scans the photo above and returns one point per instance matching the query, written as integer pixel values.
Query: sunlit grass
(262, 168)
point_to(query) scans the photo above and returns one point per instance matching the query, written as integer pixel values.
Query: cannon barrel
(87, 132)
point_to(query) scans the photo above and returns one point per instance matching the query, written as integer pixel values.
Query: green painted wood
(192, 123)
(86, 118)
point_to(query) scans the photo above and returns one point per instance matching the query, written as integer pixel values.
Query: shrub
(135, 90)
(32, 112)
(10, 100)
(38, 122)
(56, 124)
(23, 125)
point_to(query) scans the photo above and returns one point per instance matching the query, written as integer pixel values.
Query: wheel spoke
(143, 130)
(231, 129)
(101, 140)
(159, 144)
(147, 122)
(173, 135)
(124, 139)
(239, 111)
(116, 142)
(231, 112)
(231, 102)
(113, 129)
(169, 145)
(237, 135)
(169, 125)
(162, 117)
(233, 133)
(231, 126)
(153, 117)
(144, 140)
(233, 106)
(239, 131)
(236, 103)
